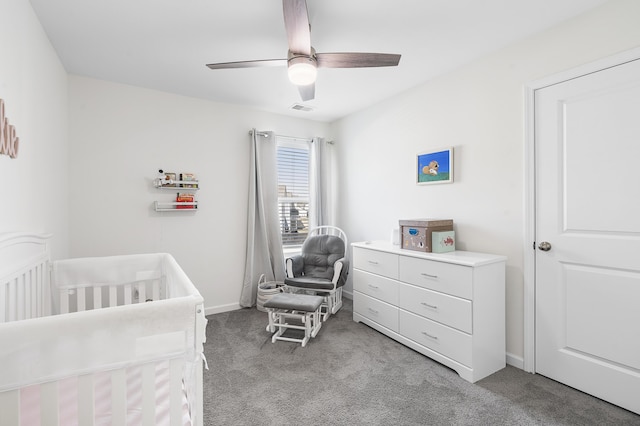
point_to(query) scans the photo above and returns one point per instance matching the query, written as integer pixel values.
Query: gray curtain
(321, 182)
(264, 241)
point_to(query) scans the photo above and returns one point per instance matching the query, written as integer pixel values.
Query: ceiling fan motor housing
(303, 69)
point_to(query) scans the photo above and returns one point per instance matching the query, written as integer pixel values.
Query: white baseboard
(347, 294)
(222, 308)
(515, 361)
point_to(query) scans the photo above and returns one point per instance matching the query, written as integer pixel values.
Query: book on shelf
(186, 177)
(185, 198)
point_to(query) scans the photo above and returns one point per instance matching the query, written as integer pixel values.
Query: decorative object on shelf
(185, 178)
(170, 179)
(416, 234)
(9, 141)
(434, 166)
(443, 241)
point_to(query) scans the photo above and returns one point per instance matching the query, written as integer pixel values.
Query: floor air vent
(300, 107)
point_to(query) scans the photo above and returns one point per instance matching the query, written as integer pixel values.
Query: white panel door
(587, 142)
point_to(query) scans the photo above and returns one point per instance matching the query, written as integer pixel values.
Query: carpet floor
(351, 374)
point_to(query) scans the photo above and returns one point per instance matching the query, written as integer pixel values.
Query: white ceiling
(165, 44)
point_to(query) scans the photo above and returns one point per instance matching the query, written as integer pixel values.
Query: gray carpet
(352, 375)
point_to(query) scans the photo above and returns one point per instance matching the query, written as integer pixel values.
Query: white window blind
(293, 190)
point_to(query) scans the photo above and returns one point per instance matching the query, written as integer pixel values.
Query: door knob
(544, 246)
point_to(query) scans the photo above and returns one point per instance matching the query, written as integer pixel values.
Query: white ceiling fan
(302, 60)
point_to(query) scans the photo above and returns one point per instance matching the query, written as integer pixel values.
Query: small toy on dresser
(416, 234)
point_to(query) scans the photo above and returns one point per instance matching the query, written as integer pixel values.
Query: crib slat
(119, 397)
(113, 295)
(81, 299)
(20, 297)
(64, 302)
(3, 302)
(156, 290)
(45, 290)
(35, 293)
(28, 295)
(127, 294)
(11, 293)
(86, 407)
(49, 404)
(142, 292)
(97, 297)
(175, 384)
(148, 394)
(10, 407)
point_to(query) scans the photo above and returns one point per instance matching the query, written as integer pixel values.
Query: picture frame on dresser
(434, 166)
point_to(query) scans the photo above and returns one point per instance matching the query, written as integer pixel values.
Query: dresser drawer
(443, 277)
(442, 339)
(376, 262)
(448, 310)
(384, 314)
(376, 286)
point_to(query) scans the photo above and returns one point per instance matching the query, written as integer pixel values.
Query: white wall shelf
(179, 187)
(191, 185)
(176, 206)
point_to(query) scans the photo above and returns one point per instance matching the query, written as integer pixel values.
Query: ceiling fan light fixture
(302, 70)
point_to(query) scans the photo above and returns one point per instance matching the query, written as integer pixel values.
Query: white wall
(121, 135)
(479, 110)
(33, 85)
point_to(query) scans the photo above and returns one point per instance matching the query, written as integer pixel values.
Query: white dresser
(447, 306)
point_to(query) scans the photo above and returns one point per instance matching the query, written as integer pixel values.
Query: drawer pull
(428, 305)
(424, 274)
(373, 311)
(430, 336)
(374, 286)
(372, 262)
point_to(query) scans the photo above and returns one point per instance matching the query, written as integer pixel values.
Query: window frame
(301, 144)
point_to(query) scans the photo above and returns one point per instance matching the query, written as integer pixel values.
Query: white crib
(92, 341)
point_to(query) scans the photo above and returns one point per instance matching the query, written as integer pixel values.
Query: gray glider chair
(321, 268)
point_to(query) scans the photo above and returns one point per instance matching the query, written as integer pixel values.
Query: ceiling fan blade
(296, 22)
(249, 64)
(357, 60)
(308, 92)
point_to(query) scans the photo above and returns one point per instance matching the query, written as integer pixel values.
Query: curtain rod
(265, 134)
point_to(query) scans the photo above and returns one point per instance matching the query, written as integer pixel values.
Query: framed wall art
(434, 166)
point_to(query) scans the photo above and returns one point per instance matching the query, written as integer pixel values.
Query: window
(293, 190)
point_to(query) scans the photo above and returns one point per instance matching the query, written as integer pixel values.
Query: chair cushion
(320, 253)
(294, 302)
(309, 282)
